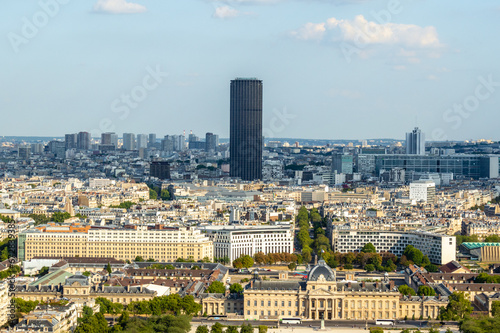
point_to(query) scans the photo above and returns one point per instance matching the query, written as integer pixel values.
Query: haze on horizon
(331, 69)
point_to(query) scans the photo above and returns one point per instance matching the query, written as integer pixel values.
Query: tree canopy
(216, 287)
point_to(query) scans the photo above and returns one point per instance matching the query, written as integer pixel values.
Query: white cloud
(224, 12)
(118, 7)
(399, 67)
(310, 31)
(432, 77)
(362, 32)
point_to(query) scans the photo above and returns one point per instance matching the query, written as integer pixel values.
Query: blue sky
(332, 69)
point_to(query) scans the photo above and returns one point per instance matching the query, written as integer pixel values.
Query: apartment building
(236, 241)
(439, 248)
(158, 242)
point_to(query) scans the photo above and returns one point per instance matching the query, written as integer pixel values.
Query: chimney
(227, 292)
(376, 285)
(391, 284)
(251, 283)
(349, 285)
(363, 284)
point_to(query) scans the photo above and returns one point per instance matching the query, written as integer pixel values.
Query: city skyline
(70, 71)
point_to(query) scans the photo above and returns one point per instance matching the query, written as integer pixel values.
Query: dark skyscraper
(160, 169)
(246, 129)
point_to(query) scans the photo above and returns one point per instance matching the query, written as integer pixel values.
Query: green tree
(87, 273)
(59, 217)
(292, 266)
(153, 195)
(306, 255)
(243, 262)
(413, 254)
(108, 268)
(236, 288)
(369, 267)
(43, 271)
(495, 308)
(216, 287)
(262, 329)
(231, 329)
(406, 290)
(216, 328)
(426, 291)
(23, 306)
(39, 218)
(492, 239)
(369, 248)
(246, 328)
(202, 329)
(432, 268)
(458, 307)
(138, 259)
(165, 195)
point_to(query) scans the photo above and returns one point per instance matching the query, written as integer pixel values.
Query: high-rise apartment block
(211, 142)
(71, 141)
(83, 141)
(142, 141)
(415, 142)
(128, 141)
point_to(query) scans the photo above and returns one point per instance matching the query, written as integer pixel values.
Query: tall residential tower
(415, 142)
(246, 129)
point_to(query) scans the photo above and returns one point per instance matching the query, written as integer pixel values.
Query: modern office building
(129, 141)
(83, 141)
(159, 243)
(342, 163)
(71, 141)
(211, 142)
(423, 191)
(415, 142)
(160, 169)
(236, 241)
(246, 129)
(462, 166)
(439, 248)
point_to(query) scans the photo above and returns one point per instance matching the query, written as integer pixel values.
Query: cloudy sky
(332, 69)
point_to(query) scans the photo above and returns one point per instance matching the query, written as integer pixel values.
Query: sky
(331, 69)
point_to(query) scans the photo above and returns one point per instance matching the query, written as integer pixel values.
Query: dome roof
(321, 271)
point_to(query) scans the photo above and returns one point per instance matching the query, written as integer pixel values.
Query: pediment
(321, 292)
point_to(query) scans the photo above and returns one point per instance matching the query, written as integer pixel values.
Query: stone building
(321, 296)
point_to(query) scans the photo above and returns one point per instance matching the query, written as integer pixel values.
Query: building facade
(236, 241)
(440, 249)
(246, 129)
(161, 244)
(423, 190)
(159, 169)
